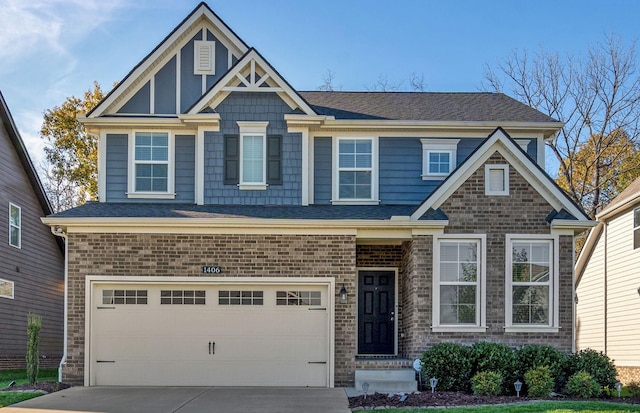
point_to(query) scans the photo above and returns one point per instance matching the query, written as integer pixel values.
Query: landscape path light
(518, 386)
(365, 388)
(433, 382)
(619, 388)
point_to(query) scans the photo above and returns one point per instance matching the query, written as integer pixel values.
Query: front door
(376, 312)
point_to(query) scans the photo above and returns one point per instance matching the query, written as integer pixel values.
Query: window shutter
(231, 159)
(274, 160)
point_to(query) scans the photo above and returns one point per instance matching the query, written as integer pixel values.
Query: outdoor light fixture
(365, 386)
(433, 382)
(619, 388)
(638, 290)
(343, 295)
(518, 386)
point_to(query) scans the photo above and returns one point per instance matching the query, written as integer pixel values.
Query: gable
(175, 74)
(501, 143)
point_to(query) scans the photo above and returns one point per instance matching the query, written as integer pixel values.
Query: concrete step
(387, 381)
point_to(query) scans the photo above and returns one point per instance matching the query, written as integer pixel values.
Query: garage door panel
(268, 341)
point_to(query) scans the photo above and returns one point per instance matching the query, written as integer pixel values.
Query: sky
(52, 49)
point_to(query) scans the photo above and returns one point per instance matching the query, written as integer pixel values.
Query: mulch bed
(42, 387)
(446, 399)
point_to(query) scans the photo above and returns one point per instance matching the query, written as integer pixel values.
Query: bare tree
(328, 80)
(61, 193)
(383, 84)
(417, 83)
(597, 96)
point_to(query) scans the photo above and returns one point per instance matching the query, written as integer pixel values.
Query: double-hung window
(253, 163)
(152, 166)
(636, 228)
(15, 226)
(459, 284)
(532, 282)
(438, 157)
(356, 175)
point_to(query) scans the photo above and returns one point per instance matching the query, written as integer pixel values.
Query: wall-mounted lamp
(343, 295)
(638, 290)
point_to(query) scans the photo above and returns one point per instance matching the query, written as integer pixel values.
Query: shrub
(597, 364)
(450, 363)
(539, 381)
(498, 358)
(532, 356)
(634, 389)
(582, 384)
(34, 323)
(487, 383)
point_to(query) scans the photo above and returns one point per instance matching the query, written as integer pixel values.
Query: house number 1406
(211, 270)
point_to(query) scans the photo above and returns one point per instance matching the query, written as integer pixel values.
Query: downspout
(59, 232)
(604, 283)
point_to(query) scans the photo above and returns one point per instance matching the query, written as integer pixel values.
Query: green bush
(495, 357)
(487, 383)
(539, 381)
(597, 364)
(532, 356)
(450, 363)
(34, 323)
(634, 389)
(582, 384)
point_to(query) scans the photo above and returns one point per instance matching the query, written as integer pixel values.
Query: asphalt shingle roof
(150, 210)
(429, 106)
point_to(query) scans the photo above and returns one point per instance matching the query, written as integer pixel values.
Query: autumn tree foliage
(597, 96)
(72, 153)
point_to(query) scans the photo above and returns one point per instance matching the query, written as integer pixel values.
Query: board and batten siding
(623, 304)
(36, 269)
(590, 307)
(117, 155)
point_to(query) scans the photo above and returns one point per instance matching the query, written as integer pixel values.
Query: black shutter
(274, 160)
(231, 159)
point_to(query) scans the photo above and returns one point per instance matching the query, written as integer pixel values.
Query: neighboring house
(250, 234)
(608, 284)
(31, 258)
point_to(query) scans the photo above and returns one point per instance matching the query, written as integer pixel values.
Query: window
(636, 228)
(496, 179)
(298, 298)
(15, 226)
(236, 297)
(531, 282)
(6, 289)
(459, 284)
(182, 297)
(253, 159)
(124, 297)
(438, 157)
(356, 175)
(204, 57)
(151, 172)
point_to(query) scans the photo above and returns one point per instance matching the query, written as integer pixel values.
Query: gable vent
(204, 57)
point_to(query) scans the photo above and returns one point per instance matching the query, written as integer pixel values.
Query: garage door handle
(317, 362)
(212, 347)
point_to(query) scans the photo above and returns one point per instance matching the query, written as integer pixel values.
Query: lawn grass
(535, 407)
(20, 377)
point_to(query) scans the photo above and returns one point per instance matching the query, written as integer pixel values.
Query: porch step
(387, 381)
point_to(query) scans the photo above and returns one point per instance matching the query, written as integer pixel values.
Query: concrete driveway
(187, 400)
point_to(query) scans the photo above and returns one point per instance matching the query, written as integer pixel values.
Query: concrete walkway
(187, 400)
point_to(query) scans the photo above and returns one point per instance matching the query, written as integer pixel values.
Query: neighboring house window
(152, 167)
(356, 175)
(496, 179)
(459, 284)
(15, 226)
(6, 289)
(532, 282)
(636, 228)
(438, 157)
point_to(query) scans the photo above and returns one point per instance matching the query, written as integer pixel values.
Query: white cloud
(30, 124)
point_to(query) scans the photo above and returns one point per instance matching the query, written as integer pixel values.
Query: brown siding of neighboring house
(37, 268)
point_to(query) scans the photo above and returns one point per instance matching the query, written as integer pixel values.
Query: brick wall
(470, 211)
(184, 255)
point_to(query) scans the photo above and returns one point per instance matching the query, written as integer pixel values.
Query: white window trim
(441, 146)
(635, 228)
(523, 144)
(374, 200)
(131, 173)
(13, 292)
(198, 46)
(19, 227)
(253, 129)
(554, 294)
(487, 179)
(481, 294)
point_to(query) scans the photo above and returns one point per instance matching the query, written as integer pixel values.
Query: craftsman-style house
(31, 258)
(250, 234)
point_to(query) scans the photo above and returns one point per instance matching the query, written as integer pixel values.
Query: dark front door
(376, 312)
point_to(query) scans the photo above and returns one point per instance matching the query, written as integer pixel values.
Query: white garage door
(209, 335)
